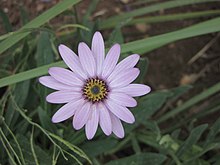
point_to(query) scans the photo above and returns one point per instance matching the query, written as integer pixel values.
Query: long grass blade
(149, 9)
(174, 17)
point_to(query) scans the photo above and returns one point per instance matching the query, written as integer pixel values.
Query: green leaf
(44, 54)
(45, 120)
(4, 73)
(37, 22)
(140, 159)
(168, 17)
(211, 109)
(203, 95)
(169, 143)
(9, 148)
(198, 162)
(193, 138)
(73, 26)
(42, 155)
(116, 35)
(209, 147)
(29, 74)
(72, 147)
(95, 148)
(179, 91)
(143, 66)
(149, 104)
(16, 143)
(5, 21)
(24, 15)
(214, 130)
(15, 33)
(21, 89)
(152, 125)
(91, 8)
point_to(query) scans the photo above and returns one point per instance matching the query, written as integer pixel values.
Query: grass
(165, 132)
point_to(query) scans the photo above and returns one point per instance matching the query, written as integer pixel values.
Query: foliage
(162, 134)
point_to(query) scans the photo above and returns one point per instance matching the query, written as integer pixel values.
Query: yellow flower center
(95, 90)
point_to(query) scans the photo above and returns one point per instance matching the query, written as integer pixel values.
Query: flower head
(96, 90)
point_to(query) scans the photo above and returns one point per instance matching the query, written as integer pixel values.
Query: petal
(65, 76)
(98, 49)
(87, 59)
(121, 112)
(72, 60)
(111, 60)
(104, 119)
(124, 78)
(117, 126)
(122, 99)
(63, 96)
(134, 90)
(92, 123)
(52, 83)
(125, 64)
(81, 116)
(67, 111)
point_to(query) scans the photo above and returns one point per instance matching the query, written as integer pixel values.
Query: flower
(96, 90)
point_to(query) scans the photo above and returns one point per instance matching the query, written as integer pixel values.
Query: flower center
(95, 90)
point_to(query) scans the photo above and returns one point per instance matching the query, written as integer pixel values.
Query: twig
(203, 50)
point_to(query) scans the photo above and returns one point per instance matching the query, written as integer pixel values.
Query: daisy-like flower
(96, 90)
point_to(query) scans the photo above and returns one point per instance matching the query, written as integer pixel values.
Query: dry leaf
(100, 13)
(142, 27)
(188, 79)
(125, 1)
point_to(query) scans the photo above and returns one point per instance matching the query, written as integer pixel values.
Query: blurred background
(181, 66)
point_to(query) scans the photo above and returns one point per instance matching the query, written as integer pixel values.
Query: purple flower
(97, 90)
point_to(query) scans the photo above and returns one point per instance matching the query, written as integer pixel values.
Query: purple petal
(52, 83)
(67, 111)
(121, 112)
(134, 90)
(104, 119)
(92, 123)
(98, 49)
(122, 99)
(117, 126)
(111, 60)
(65, 76)
(81, 116)
(125, 64)
(63, 96)
(72, 60)
(124, 78)
(87, 59)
